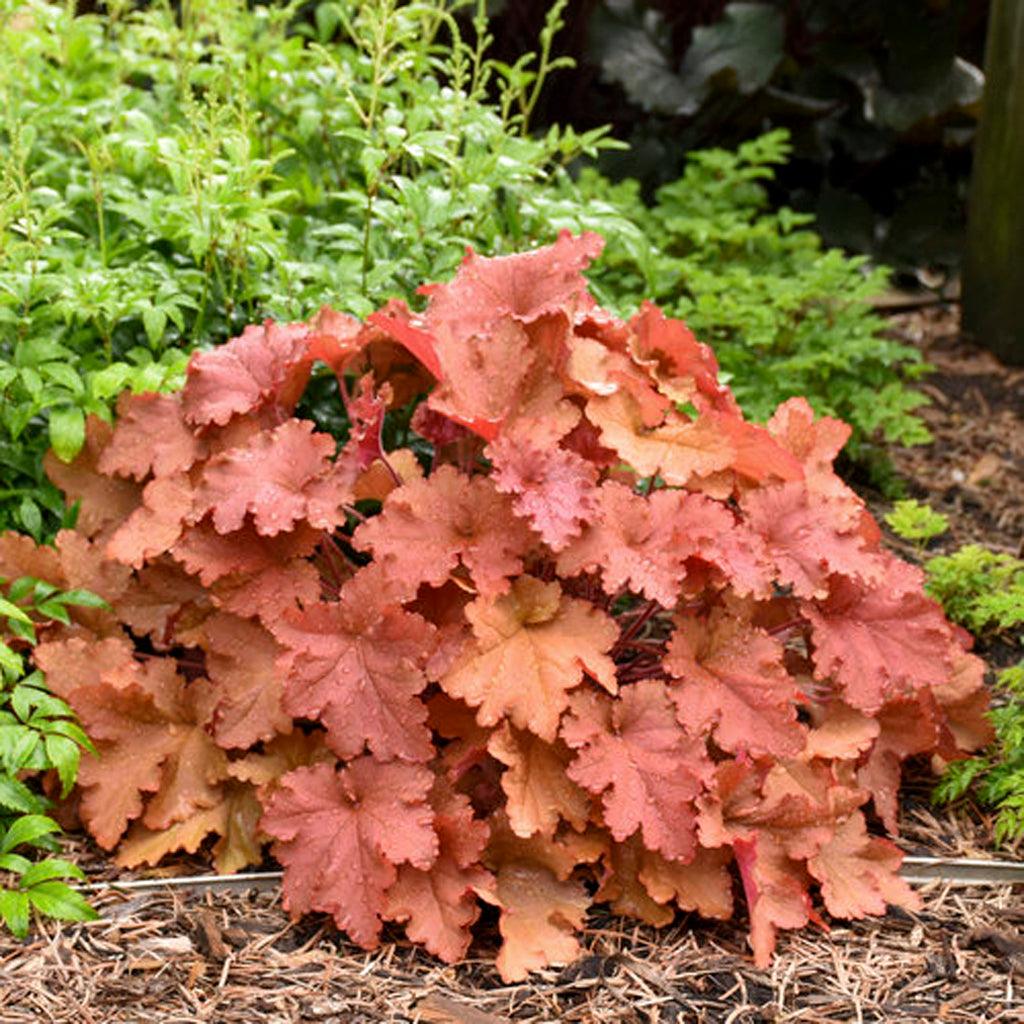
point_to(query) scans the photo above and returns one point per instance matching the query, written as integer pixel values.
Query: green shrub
(38, 733)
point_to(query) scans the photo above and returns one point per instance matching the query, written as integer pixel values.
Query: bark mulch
(232, 956)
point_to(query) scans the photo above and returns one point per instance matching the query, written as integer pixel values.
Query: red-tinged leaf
(647, 768)
(709, 530)
(366, 412)
(633, 542)
(964, 701)
(540, 793)
(482, 376)
(358, 667)
(428, 526)
(541, 906)
(340, 835)
(731, 679)
(702, 884)
(840, 733)
(879, 643)
(151, 437)
(685, 369)
(859, 874)
(104, 501)
(907, 726)
(756, 454)
(148, 741)
(234, 818)
(20, 555)
(397, 321)
(268, 594)
(525, 286)
(156, 525)
(677, 451)
(815, 444)
(240, 661)
(335, 338)
(529, 649)
(281, 478)
(439, 904)
(776, 891)
(553, 488)
(266, 366)
(211, 556)
(807, 539)
(160, 600)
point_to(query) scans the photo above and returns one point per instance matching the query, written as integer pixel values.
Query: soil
(231, 955)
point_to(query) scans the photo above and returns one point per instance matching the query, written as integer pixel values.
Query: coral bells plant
(577, 633)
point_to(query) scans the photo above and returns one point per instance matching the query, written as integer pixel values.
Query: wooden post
(993, 284)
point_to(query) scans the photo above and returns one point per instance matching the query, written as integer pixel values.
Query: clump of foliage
(541, 640)
(38, 734)
(786, 317)
(169, 175)
(983, 591)
(912, 520)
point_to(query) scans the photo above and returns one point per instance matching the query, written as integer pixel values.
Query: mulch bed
(233, 957)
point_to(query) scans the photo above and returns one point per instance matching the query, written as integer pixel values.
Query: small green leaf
(82, 599)
(27, 829)
(57, 899)
(52, 867)
(67, 431)
(16, 796)
(12, 611)
(14, 911)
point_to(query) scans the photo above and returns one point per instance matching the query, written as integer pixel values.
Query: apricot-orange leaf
(529, 648)
(358, 667)
(644, 764)
(341, 834)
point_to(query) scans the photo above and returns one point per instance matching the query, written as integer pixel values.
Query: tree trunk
(993, 287)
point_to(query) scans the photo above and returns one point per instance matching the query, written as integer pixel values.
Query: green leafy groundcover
(170, 173)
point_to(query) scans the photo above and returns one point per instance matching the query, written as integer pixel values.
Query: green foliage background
(167, 177)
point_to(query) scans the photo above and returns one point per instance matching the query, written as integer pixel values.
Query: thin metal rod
(954, 870)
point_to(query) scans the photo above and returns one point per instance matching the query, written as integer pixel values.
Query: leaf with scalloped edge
(731, 680)
(529, 648)
(540, 795)
(428, 527)
(439, 904)
(879, 642)
(553, 488)
(281, 477)
(358, 666)
(340, 836)
(859, 874)
(267, 366)
(151, 437)
(646, 767)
